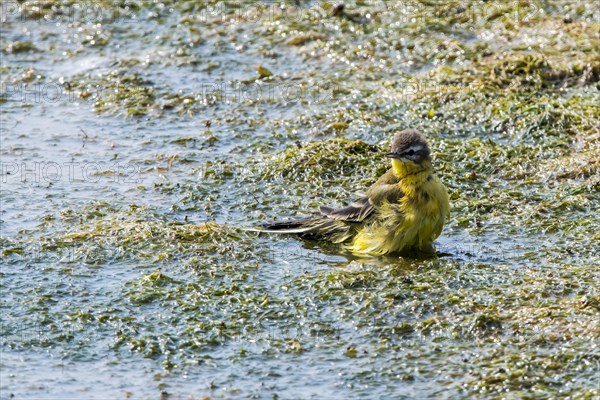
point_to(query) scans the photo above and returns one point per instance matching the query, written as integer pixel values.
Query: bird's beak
(393, 155)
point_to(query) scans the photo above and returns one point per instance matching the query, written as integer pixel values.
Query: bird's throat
(403, 169)
(412, 176)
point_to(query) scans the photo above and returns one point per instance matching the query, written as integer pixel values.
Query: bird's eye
(411, 152)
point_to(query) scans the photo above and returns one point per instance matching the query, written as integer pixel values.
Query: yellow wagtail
(404, 210)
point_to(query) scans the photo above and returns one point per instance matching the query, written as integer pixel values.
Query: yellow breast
(411, 224)
(427, 209)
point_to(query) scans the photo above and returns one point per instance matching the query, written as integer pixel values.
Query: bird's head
(409, 152)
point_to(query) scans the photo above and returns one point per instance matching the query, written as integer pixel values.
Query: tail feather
(309, 228)
(290, 226)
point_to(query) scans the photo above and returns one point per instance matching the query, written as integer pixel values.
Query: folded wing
(355, 212)
(386, 189)
(341, 224)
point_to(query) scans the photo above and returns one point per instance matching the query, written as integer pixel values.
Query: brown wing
(355, 212)
(385, 189)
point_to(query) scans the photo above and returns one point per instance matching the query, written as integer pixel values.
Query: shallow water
(136, 142)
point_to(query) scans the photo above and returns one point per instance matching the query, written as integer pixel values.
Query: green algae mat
(140, 140)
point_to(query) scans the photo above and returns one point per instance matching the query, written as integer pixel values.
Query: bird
(403, 211)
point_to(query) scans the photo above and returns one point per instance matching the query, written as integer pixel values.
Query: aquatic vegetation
(235, 113)
(19, 47)
(116, 92)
